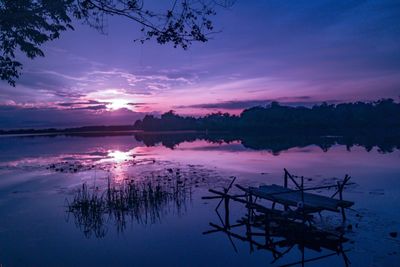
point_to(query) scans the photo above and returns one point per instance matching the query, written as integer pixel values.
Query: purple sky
(296, 52)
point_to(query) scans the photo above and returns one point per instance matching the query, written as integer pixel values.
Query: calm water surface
(37, 230)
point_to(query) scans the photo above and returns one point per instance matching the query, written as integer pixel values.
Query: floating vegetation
(69, 167)
(87, 163)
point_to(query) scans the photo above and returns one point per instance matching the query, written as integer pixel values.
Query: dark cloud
(13, 117)
(68, 94)
(8, 108)
(38, 80)
(89, 102)
(238, 104)
(95, 107)
(138, 104)
(243, 104)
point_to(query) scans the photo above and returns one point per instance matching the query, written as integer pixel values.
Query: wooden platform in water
(299, 233)
(286, 196)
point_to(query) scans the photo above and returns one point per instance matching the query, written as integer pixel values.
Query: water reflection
(141, 200)
(280, 237)
(119, 156)
(276, 143)
(277, 233)
(128, 147)
(143, 203)
(27, 189)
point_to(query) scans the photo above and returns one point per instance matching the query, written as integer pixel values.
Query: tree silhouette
(383, 114)
(26, 24)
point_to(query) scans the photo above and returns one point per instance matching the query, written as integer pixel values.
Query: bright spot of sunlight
(119, 156)
(118, 104)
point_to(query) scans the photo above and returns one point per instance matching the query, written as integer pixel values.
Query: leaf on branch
(25, 25)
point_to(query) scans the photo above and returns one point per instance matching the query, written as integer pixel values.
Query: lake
(42, 178)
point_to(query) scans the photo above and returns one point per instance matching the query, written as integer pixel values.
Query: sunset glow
(297, 58)
(192, 133)
(118, 104)
(119, 156)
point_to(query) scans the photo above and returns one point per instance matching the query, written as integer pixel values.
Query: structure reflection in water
(280, 236)
(279, 231)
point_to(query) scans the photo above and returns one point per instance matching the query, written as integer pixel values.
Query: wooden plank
(290, 197)
(280, 214)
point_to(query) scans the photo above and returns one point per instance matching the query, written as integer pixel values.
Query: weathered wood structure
(286, 227)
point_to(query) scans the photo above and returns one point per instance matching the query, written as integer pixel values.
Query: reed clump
(140, 201)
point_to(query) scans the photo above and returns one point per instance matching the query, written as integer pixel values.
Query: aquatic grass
(142, 201)
(87, 208)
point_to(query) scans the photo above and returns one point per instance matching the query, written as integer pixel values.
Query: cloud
(95, 107)
(243, 104)
(59, 85)
(88, 102)
(13, 117)
(237, 104)
(321, 49)
(138, 104)
(68, 95)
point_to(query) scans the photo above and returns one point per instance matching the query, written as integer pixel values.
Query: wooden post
(286, 186)
(248, 224)
(340, 188)
(226, 204)
(302, 189)
(249, 236)
(286, 179)
(267, 235)
(250, 210)
(302, 200)
(227, 222)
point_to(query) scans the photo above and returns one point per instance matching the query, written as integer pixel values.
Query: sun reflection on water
(119, 156)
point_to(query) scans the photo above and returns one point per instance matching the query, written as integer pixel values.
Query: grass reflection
(141, 202)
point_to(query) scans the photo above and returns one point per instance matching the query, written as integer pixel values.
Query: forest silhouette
(273, 127)
(383, 114)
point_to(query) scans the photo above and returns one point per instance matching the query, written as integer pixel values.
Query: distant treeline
(382, 114)
(84, 129)
(274, 118)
